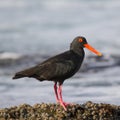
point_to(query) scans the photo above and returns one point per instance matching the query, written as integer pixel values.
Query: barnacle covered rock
(43, 111)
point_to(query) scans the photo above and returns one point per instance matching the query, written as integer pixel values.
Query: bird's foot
(64, 104)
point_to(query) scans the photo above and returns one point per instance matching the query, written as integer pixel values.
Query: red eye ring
(80, 40)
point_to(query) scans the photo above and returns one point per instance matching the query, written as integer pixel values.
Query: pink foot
(64, 104)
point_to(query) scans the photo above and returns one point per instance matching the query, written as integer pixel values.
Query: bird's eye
(80, 40)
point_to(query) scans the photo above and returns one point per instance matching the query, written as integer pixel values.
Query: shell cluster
(43, 111)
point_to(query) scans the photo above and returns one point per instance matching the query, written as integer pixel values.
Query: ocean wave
(9, 55)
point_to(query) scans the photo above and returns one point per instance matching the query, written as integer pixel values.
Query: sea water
(32, 31)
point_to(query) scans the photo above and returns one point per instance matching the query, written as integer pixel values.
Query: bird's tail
(17, 76)
(25, 73)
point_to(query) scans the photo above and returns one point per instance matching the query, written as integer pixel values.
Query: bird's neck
(79, 51)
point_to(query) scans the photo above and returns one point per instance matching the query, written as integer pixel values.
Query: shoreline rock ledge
(50, 111)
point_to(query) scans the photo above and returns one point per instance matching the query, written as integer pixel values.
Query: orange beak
(92, 49)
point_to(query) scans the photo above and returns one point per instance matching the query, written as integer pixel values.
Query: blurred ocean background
(32, 31)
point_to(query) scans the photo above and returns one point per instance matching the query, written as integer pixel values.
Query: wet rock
(43, 111)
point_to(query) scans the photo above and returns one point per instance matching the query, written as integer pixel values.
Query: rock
(43, 111)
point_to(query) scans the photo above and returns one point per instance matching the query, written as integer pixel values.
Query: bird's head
(81, 42)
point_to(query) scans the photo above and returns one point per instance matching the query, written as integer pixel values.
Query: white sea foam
(8, 55)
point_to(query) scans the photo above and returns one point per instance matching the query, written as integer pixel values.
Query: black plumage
(59, 67)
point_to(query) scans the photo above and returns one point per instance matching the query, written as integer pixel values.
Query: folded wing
(48, 70)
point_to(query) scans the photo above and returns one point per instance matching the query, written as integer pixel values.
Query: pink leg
(60, 96)
(55, 89)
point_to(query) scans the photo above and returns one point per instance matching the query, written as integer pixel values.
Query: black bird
(59, 67)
